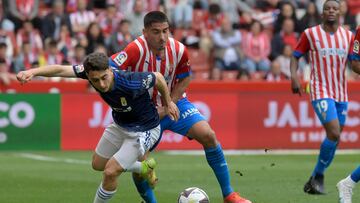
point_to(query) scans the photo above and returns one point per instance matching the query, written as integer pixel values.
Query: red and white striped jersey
(328, 53)
(138, 57)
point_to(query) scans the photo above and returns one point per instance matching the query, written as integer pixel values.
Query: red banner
(83, 119)
(243, 117)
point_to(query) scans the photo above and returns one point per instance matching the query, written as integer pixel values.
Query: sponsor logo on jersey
(147, 81)
(120, 58)
(123, 101)
(356, 46)
(79, 68)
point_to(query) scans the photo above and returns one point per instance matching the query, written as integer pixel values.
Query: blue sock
(216, 160)
(355, 175)
(327, 152)
(145, 190)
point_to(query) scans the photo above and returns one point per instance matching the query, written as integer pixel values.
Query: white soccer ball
(193, 195)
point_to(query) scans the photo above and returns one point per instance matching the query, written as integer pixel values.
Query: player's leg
(142, 184)
(196, 127)
(346, 186)
(126, 156)
(326, 111)
(109, 143)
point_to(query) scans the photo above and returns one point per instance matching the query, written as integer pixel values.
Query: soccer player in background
(155, 51)
(346, 185)
(329, 47)
(136, 126)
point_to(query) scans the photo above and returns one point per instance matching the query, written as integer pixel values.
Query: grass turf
(261, 178)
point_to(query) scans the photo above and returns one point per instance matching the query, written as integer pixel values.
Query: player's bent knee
(333, 134)
(208, 139)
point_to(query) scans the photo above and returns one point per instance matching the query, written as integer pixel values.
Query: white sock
(349, 182)
(136, 167)
(103, 196)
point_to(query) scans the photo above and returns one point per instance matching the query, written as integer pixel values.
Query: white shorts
(125, 146)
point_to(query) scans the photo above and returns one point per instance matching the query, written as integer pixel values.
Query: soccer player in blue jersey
(346, 185)
(136, 126)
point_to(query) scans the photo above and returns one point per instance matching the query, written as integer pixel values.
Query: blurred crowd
(226, 39)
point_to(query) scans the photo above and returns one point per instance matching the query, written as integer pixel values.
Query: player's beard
(331, 22)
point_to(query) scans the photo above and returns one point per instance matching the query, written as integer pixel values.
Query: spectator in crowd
(109, 20)
(25, 59)
(136, 18)
(257, 45)
(8, 38)
(94, 37)
(275, 74)
(5, 76)
(122, 6)
(121, 38)
(79, 54)
(286, 36)
(212, 21)
(52, 55)
(245, 21)
(30, 34)
(53, 21)
(346, 18)
(182, 13)
(311, 18)
(284, 60)
(66, 43)
(227, 51)
(3, 55)
(5, 23)
(287, 10)
(24, 10)
(232, 8)
(81, 19)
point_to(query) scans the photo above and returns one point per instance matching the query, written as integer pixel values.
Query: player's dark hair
(96, 62)
(155, 17)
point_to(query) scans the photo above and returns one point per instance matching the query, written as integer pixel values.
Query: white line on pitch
(52, 159)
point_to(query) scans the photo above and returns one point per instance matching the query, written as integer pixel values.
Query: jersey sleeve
(80, 71)
(302, 46)
(126, 59)
(183, 69)
(355, 52)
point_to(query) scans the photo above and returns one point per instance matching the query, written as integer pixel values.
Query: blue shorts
(328, 110)
(189, 115)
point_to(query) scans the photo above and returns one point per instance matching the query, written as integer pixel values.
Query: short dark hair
(96, 62)
(155, 17)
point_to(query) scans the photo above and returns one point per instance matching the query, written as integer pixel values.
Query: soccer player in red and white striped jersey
(329, 47)
(156, 51)
(345, 186)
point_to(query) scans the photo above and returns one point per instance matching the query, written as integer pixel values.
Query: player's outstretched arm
(355, 66)
(46, 71)
(295, 81)
(170, 107)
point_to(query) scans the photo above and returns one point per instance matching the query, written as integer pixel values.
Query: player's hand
(24, 76)
(173, 111)
(296, 86)
(161, 111)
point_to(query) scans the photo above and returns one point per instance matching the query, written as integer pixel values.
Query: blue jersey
(129, 99)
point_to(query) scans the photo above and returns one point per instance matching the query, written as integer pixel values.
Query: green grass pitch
(67, 177)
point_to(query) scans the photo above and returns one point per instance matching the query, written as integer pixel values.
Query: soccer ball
(193, 195)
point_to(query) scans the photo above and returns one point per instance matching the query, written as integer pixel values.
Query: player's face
(331, 12)
(157, 35)
(102, 80)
